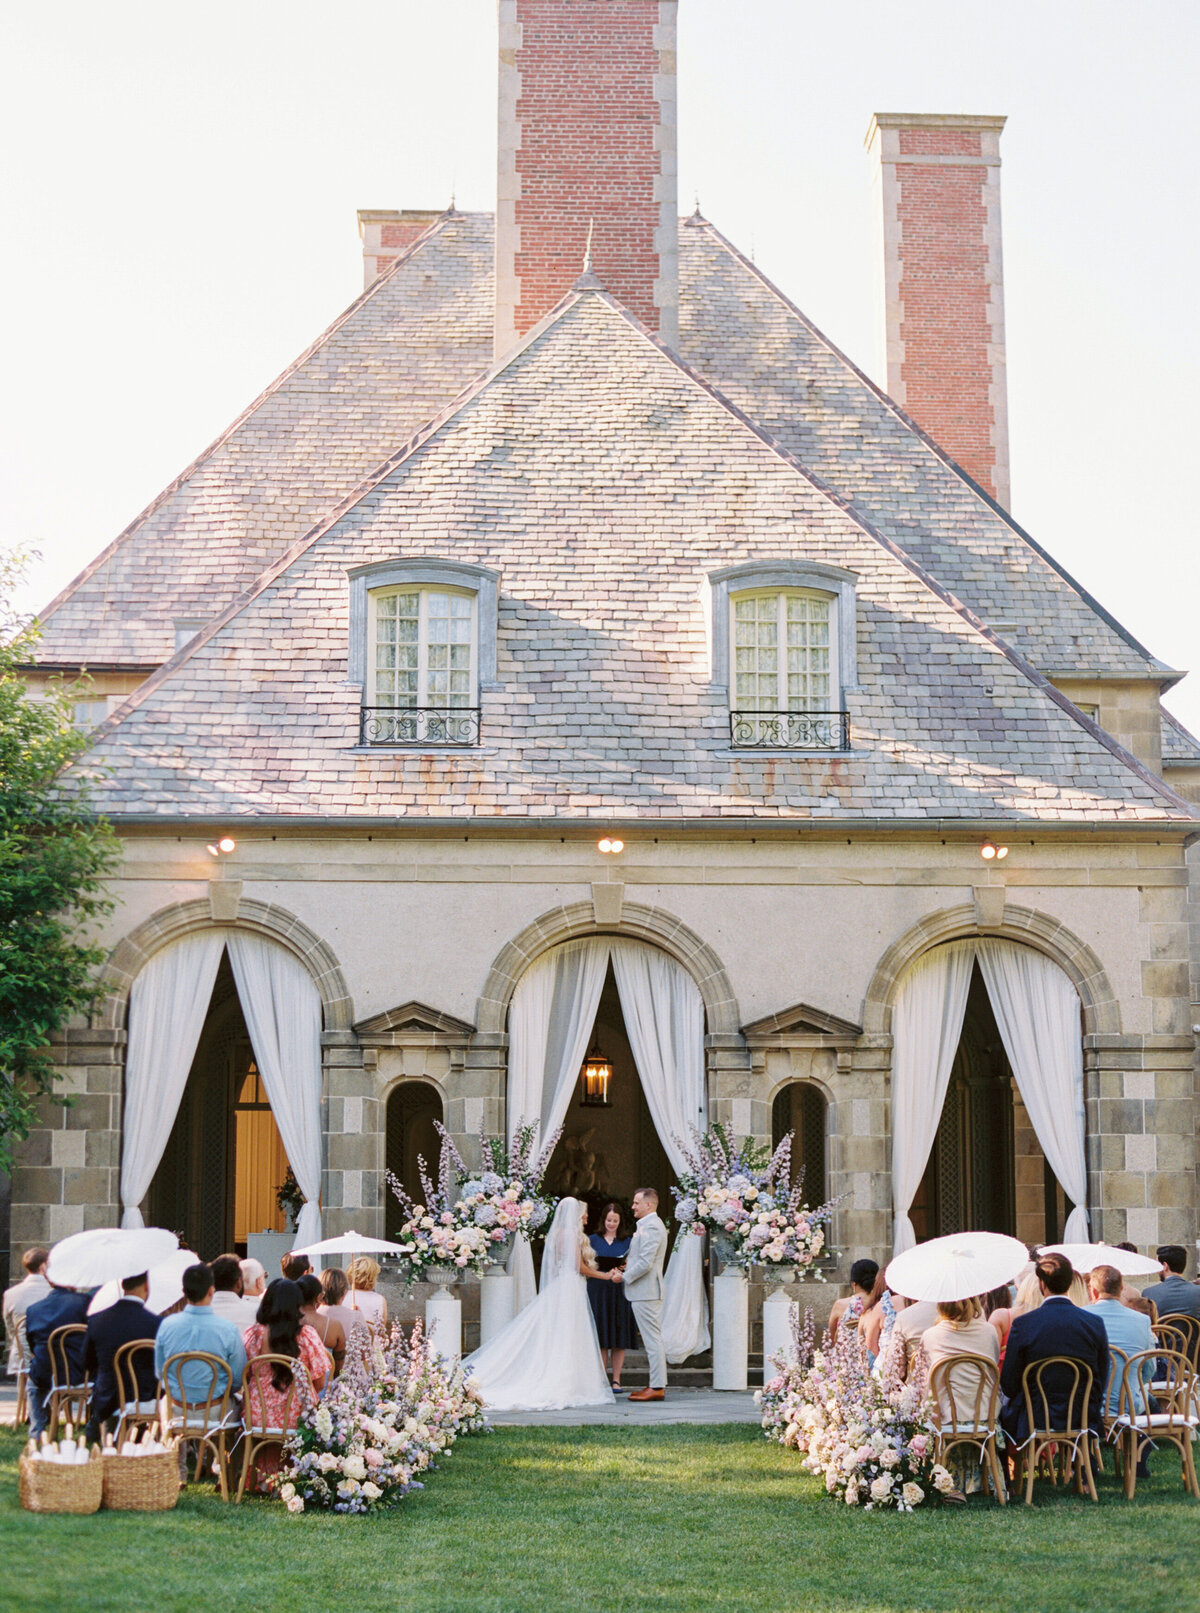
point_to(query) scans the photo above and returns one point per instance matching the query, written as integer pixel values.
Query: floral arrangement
(733, 1190)
(468, 1222)
(393, 1410)
(871, 1439)
(289, 1197)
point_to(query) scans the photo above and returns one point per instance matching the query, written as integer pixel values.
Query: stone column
(351, 1198)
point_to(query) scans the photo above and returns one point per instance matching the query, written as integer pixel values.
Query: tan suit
(644, 1290)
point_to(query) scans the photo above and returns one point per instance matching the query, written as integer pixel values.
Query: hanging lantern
(595, 1075)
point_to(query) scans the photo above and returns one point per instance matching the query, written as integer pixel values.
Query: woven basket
(141, 1483)
(59, 1487)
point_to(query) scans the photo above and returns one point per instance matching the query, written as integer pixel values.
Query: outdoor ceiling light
(989, 852)
(596, 1074)
(610, 846)
(222, 847)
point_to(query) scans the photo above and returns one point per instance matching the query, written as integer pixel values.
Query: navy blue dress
(615, 1325)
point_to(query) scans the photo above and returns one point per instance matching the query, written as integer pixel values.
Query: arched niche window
(801, 1109)
(412, 1109)
(422, 647)
(784, 651)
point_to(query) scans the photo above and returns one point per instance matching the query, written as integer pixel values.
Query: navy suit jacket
(1057, 1327)
(60, 1308)
(128, 1319)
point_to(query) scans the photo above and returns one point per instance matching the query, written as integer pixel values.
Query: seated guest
(198, 1328)
(997, 1309)
(849, 1309)
(961, 1329)
(335, 1285)
(1145, 1306)
(1174, 1296)
(254, 1279)
(294, 1267)
(911, 1325)
(282, 1330)
(362, 1297)
(62, 1307)
(1127, 1289)
(328, 1329)
(107, 1331)
(1029, 1295)
(1057, 1327)
(17, 1299)
(1126, 1329)
(878, 1319)
(228, 1300)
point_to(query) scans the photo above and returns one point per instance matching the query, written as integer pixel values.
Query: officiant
(615, 1326)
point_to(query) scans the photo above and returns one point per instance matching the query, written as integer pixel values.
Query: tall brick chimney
(587, 138)
(944, 284)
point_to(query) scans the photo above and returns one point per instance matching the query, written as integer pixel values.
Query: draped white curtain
(926, 1025)
(282, 1008)
(167, 1004)
(551, 1016)
(1037, 1009)
(664, 1017)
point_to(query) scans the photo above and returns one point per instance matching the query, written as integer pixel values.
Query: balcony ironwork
(419, 725)
(790, 730)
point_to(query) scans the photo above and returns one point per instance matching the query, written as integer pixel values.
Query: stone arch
(169, 924)
(1025, 925)
(637, 922)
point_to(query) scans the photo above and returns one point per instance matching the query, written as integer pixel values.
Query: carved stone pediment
(413, 1022)
(799, 1024)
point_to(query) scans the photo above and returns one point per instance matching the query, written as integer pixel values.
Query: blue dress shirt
(196, 1327)
(1129, 1331)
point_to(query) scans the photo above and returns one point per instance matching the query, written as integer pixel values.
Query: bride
(548, 1357)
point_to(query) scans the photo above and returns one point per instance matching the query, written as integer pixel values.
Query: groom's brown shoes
(648, 1394)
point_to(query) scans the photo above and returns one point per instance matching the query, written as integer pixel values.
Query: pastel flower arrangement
(872, 1440)
(394, 1409)
(468, 1221)
(734, 1191)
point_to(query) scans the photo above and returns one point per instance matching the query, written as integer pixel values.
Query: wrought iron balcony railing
(419, 725)
(790, 730)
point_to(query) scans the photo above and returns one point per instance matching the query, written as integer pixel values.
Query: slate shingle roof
(1178, 743)
(603, 481)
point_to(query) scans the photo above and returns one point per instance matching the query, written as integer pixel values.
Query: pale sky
(181, 182)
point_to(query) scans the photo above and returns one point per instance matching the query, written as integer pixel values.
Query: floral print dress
(316, 1361)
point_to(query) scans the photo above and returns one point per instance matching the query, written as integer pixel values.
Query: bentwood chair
(25, 1361)
(133, 1414)
(67, 1401)
(205, 1414)
(1187, 1329)
(969, 1415)
(1112, 1393)
(262, 1427)
(1069, 1447)
(1174, 1422)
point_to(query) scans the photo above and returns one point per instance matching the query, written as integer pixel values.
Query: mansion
(573, 651)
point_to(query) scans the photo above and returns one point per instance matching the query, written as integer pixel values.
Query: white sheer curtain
(926, 1025)
(664, 1017)
(550, 1019)
(1037, 1009)
(282, 1008)
(167, 1004)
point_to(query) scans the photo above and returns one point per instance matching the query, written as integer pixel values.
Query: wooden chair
(1187, 1330)
(969, 1419)
(262, 1428)
(132, 1413)
(1068, 1448)
(25, 1360)
(206, 1416)
(1174, 1423)
(67, 1401)
(1112, 1391)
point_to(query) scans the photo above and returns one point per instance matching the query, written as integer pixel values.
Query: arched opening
(413, 1109)
(800, 1108)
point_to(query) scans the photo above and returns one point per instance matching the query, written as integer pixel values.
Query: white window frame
(781, 595)
(407, 576)
(423, 592)
(800, 576)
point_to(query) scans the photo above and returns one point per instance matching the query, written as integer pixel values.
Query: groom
(642, 1277)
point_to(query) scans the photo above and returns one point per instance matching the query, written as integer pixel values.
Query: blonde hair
(958, 1312)
(362, 1272)
(1079, 1293)
(1029, 1295)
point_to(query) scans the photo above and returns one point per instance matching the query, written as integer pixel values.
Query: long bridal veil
(548, 1357)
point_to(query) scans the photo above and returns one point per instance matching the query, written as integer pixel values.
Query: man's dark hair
(1173, 1257)
(227, 1274)
(1054, 1273)
(34, 1259)
(294, 1267)
(863, 1273)
(128, 1284)
(1129, 1248)
(650, 1195)
(197, 1283)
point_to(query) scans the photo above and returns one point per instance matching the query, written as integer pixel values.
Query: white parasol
(1085, 1257)
(958, 1267)
(166, 1284)
(351, 1243)
(107, 1254)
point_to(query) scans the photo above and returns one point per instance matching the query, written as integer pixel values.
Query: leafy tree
(54, 856)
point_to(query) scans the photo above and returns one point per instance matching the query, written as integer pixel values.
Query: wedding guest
(1172, 1295)
(961, 1329)
(107, 1330)
(878, 1319)
(294, 1267)
(228, 1300)
(281, 1330)
(327, 1328)
(1056, 1327)
(62, 1307)
(254, 1279)
(1029, 1295)
(335, 1285)
(615, 1326)
(363, 1273)
(17, 1300)
(911, 1325)
(1126, 1329)
(197, 1329)
(1127, 1289)
(1146, 1307)
(997, 1309)
(850, 1309)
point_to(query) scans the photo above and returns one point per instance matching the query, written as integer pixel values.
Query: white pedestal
(497, 1302)
(443, 1323)
(778, 1311)
(731, 1329)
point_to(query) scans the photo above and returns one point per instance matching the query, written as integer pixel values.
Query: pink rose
(374, 1458)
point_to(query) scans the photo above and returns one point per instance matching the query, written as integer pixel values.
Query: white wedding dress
(548, 1357)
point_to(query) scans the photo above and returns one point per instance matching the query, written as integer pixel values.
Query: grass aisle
(602, 1520)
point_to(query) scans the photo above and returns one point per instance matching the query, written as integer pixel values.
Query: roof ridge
(932, 445)
(251, 408)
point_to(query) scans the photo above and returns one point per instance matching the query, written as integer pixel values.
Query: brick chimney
(587, 138)
(944, 284)
(386, 233)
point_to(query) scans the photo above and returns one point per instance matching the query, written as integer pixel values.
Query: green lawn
(600, 1520)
